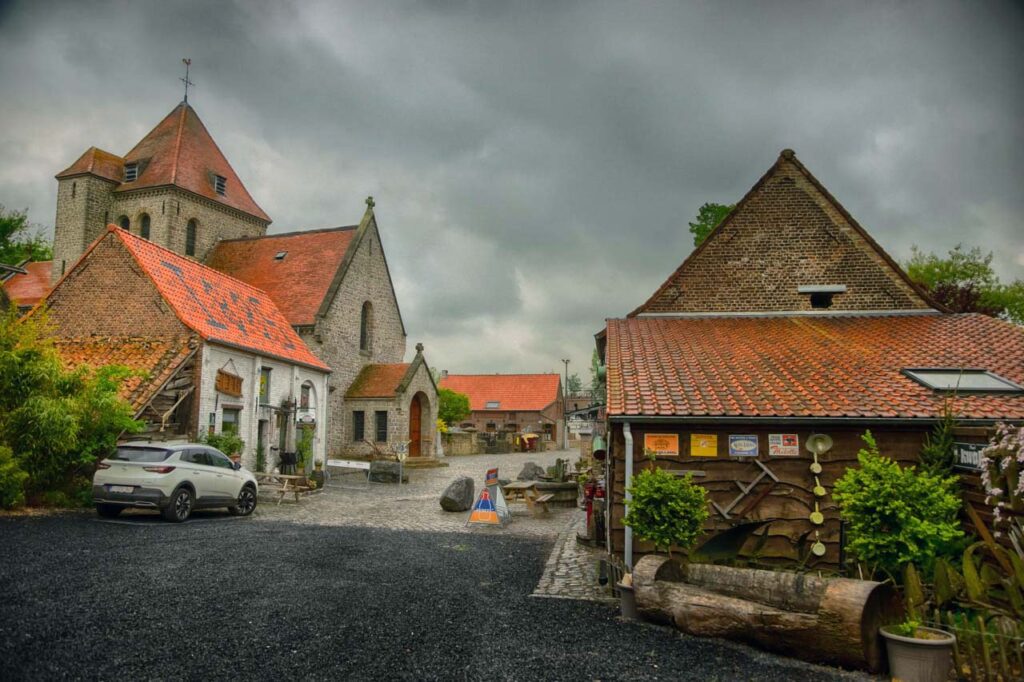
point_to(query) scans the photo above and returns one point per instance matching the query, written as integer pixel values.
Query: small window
(358, 426)
(963, 380)
(280, 255)
(304, 392)
(381, 424)
(821, 294)
(229, 420)
(265, 385)
(366, 327)
(493, 404)
(131, 172)
(144, 226)
(190, 238)
(124, 223)
(220, 184)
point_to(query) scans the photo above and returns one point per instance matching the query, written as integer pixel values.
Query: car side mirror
(236, 465)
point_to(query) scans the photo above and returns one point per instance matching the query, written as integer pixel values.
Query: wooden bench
(542, 501)
(289, 483)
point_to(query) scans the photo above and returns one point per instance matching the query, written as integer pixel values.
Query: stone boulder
(458, 496)
(531, 472)
(383, 471)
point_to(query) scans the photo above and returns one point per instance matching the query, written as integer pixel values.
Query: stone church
(176, 190)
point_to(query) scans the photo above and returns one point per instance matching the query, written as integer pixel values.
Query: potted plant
(918, 653)
(667, 510)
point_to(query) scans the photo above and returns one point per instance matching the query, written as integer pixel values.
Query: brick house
(214, 354)
(25, 289)
(514, 403)
(176, 189)
(788, 321)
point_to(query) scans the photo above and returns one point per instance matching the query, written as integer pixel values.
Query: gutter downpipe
(628, 453)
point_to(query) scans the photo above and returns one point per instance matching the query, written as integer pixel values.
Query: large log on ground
(824, 620)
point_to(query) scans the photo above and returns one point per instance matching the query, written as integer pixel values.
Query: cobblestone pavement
(416, 505)
(571, 570)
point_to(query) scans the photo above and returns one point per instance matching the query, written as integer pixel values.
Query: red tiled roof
(378, 381)
(301, 280)
(218, 307)
(806, 366)
(180, 151)
(157, 359)
(95, 161)
(27, 290)
(513, 392)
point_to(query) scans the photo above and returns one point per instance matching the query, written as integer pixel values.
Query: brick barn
(788, 321)
(512, 403)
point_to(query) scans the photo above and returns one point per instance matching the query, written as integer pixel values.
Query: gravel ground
(220, 597)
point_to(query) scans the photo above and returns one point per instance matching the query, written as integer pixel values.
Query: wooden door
(415, 425)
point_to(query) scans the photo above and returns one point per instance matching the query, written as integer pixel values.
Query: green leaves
(666, 510)
(452, 407)
(708, 217)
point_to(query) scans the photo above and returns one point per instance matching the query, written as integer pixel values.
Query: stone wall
(83, 204)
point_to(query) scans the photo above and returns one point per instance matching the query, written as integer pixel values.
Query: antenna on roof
(187, 62)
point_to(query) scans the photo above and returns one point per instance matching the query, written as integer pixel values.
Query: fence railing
(984, 652)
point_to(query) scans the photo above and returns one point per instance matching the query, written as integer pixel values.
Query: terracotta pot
(919, 660)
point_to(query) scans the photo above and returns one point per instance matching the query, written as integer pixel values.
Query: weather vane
(187, 62)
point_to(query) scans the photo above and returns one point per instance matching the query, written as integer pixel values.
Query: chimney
(444, 374)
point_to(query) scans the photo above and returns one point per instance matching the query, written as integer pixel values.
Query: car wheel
(180, 507)
(246, 502)
(108, 511)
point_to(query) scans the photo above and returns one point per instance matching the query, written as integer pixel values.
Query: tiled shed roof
(512, 392)
(156, 359)
(218, 307)
(806, 366)
(95, 161)
(299, 280)
(28, 289)
(378, 381)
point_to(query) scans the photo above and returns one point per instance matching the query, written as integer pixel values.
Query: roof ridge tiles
(293, 233)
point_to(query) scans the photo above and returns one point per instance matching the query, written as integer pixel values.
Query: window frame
(131, 171)
(191, 237)
(366, 327)
(358, 426)
(919, 376)
(236, 424)
(145, 226)
(266, 373)
(220, 185)
(380, 423)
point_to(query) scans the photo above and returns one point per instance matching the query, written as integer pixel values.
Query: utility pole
(565, 395)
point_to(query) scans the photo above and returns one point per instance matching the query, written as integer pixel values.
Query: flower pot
(916, 659)
(627, 601)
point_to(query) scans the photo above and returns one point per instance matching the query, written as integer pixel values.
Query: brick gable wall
(785, 234)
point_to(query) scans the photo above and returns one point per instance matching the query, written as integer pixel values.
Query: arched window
(144, 226)
(124, 223)
(190, 238)
(366, 327)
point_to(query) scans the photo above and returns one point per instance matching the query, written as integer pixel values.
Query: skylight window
(131, 172)
(493, 404)
(280, 255)
(962, 380)
(220, 184)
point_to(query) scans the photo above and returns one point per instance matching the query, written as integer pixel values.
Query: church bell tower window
(190, 238)
(144, 226)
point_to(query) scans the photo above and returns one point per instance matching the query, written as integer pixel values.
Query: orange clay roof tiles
(220, 308)
(155, 359)
(378, 381)
(806, 366)
(512, 392)
(27, 290)
(95, 161)
(300, 281)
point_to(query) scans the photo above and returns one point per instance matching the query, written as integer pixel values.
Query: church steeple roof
(179, 151)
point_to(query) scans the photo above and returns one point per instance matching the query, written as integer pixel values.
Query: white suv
(176, 479)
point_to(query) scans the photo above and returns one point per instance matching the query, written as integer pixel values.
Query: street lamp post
(565, 395)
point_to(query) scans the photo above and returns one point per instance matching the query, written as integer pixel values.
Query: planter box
(919, 660)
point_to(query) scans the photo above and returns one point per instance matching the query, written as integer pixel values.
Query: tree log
(824, 620)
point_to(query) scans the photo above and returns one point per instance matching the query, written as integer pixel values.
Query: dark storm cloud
(535, 164)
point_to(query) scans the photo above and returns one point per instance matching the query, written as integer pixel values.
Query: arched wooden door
(415, 426)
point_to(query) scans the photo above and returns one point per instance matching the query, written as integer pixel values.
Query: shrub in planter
(227, 442)
(897, 515)
(667, 510)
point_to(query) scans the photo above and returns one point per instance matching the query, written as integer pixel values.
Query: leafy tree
(708, 217)
(897, 515)
(597, 378)
(12, 480)
(574, 384)
(453, 407)
(56, 422)
(666, 509)
(937, 452)
(18, 241)
(965, 282)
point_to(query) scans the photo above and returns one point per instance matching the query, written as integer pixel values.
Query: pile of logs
(823, 620)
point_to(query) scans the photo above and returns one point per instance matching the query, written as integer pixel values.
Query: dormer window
(962, 380)
(220, 184)
(821, 295)
(280, 255)
(493, 404)
(131, 172)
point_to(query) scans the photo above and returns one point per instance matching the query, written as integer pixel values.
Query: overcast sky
(535, 164)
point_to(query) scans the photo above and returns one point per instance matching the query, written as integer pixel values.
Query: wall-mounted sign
(968, 455)
(783, 445)
(743, 446)
(704, 445)
(664, 444)
(229, 383)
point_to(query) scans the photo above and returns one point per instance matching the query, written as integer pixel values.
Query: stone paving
(572, 569)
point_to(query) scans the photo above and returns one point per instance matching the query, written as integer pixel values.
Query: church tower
(174, 187)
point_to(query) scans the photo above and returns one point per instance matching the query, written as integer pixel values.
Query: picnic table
(289, 483)
(526, 491)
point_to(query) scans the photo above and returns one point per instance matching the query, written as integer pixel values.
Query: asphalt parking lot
(220, 598)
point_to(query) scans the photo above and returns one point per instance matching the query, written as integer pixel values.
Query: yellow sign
(662, 443)
(704, 445)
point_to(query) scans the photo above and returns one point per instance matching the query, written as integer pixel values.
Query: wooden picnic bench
(289, 483)
(526, 491)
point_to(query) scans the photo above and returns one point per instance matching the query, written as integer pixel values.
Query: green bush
(666, 510)
(228, 442)
(12, 480)
(897, 515)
